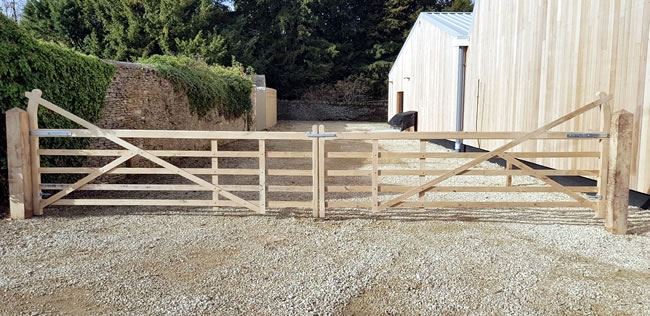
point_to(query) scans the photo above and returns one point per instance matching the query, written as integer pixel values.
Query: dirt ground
(118, 260)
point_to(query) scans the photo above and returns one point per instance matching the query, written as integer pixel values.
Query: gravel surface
(172, 261)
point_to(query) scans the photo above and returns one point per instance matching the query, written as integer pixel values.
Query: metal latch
(319, 135)
(586, 135)
(51, 133)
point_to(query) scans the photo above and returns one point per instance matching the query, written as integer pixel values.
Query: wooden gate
(325, 168)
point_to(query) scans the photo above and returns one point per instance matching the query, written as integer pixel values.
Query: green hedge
(208, 87)
(71, 80)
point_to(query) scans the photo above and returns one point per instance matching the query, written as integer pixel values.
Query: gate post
(618, 182)
(19, 164)
(322, 173)
(315, 172)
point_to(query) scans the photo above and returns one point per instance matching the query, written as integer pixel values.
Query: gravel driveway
(171, 261)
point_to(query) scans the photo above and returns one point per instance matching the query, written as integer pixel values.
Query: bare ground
(120, 260)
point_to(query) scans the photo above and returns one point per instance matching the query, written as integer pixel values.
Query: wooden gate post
(315, 169)
(618, 182)
(322, 172)
(19, 165)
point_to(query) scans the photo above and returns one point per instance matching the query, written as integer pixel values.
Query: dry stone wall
(138, 98)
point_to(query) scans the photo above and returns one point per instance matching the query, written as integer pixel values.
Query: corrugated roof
(457, 24)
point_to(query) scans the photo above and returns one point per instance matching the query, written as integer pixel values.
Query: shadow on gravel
(639, 220)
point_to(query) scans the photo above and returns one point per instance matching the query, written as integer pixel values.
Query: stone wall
(300, 110)
(138, 98)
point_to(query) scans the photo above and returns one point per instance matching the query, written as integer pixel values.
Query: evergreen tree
(297, 44)
(130, 29)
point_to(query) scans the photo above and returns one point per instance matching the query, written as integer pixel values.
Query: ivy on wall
(74, 81)
(208, 87)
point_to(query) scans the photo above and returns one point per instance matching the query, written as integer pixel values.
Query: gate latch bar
(586, 135)
(321, 135)
(51, 133)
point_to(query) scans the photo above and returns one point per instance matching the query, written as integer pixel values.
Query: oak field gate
(321, 173)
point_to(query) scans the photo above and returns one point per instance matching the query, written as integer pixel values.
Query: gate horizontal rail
(183, 134)
(321, 172)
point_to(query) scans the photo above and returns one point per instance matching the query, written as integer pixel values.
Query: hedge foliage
(208, 87)
(71, 80)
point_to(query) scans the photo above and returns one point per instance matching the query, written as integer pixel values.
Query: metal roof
(457, 24)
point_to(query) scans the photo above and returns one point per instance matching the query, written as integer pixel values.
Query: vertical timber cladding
(531, 61)
(319, 173)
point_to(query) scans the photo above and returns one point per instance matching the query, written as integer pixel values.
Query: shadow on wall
(299, 110)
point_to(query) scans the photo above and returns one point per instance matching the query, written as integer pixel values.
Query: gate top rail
(185, 134)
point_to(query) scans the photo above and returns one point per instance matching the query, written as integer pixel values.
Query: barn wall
(429, 58)
(530, 61)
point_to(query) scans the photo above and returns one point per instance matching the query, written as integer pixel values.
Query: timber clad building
(514, 65)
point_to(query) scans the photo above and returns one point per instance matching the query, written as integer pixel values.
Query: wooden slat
(508, 177)
(262, 177)
(428, 172)
(322, 171)
(195, 171)
(490, 172)
(450, 135)
(292, 204)
(423, 149)
(183, 134)
(349, 173)
(605, 125)
(215, 166)
(141, 202)
(461, 205)
(375, 175)
(288, 154)
(530, 154)
(159, 153)
(177, 187)
(404, 188)
(315, 169)
(289, 172)
(34, 99)
(348, 154)
(198, 203)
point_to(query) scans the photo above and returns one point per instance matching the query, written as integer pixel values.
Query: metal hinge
(587, 135)
(320, 135)
(51, 133)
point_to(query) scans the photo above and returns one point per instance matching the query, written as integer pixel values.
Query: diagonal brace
(145, 154)
(85, 180)
(515, 162)
(494, 153)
